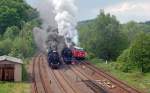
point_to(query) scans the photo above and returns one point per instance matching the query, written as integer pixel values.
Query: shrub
(137, 57)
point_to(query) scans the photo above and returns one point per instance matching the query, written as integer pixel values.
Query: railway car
(79, 53)
(67, 55)
(54, 59)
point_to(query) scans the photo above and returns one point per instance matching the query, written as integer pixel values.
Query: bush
(5, 46)
(140, 52)
(137, 57)
(90, 55)
(124, 62)
(11, 32)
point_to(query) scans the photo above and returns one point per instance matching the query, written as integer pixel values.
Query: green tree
(11, 32)
(140, 51)
(5, 46)
(138, 55)
(17, 19)
(103, 37)
(8, 17)
(14, 13)
(131, 29)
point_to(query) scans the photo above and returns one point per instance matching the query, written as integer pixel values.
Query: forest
(127, 44)
(17, 20)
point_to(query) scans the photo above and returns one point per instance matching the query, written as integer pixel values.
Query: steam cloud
(40, 38)
(66, 19)
(58, 24)
(45, 9)
(41, 35)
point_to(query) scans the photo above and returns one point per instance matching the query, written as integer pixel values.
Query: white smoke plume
(65, 11)
(47, 16)
(45, 9)
(40, 38)
(55, 14)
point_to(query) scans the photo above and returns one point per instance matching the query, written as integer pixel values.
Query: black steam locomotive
(67, 55)
(54, 59)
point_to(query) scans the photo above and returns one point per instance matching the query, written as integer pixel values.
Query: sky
(124, 10)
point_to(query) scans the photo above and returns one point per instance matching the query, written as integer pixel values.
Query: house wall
(18, 73)
(17, 70)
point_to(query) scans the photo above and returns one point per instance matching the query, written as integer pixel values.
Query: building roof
(78, 48)
(12, 59)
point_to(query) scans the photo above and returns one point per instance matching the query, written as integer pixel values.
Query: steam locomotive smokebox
(10, 69)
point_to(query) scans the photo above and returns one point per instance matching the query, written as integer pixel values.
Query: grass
(7, 87)
(136, 79)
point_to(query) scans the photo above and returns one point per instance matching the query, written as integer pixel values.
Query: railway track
(40, 80)
(47, 80)
(55, 83)
(105, 80)
(34, 88)
(62, 81)
(88, 81)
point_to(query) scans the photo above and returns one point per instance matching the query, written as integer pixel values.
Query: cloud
(127, 11)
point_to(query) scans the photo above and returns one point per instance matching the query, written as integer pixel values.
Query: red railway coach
(79, 53)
